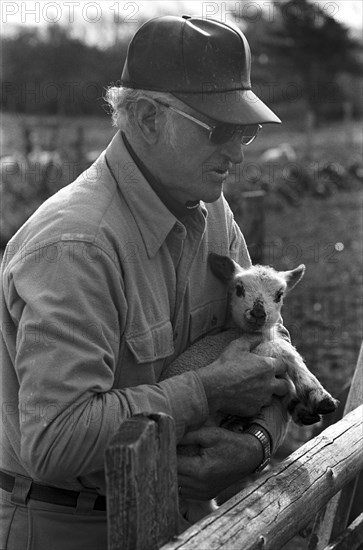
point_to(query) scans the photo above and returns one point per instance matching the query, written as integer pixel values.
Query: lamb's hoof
(306, 418)
(303, 416)
(327, 405)
(308, 410)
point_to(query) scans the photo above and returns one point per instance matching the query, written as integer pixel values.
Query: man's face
(195, 169)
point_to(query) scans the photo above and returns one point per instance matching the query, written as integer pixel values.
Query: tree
(316, 49)
(47, 71)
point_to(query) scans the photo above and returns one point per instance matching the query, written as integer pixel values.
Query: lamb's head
(256, 293)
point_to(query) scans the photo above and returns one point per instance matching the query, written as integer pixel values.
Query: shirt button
(178, 229)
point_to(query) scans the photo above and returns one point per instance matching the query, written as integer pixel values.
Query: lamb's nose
(258, 314)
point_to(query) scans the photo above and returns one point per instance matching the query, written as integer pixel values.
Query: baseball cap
(203, 62)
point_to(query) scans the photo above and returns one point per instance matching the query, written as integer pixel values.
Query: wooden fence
(316, 481)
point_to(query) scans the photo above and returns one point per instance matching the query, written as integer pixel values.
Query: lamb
(256, 298)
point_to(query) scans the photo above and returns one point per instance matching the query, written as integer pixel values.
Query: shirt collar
(153, 218)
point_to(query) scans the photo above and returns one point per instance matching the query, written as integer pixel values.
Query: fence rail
(142, 490)
(284, 500)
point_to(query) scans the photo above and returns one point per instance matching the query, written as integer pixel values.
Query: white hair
(122, 102)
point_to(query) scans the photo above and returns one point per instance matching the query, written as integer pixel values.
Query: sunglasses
(221, 133)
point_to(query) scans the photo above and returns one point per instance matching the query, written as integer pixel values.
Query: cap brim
(233, 107)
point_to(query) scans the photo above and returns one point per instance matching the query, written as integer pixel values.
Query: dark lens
(248, 134)
(225, 132)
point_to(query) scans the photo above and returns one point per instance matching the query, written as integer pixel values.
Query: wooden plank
(351, 538)
(141, 477)
(269, 512)
(333, 519)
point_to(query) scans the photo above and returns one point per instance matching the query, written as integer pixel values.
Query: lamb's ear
(294, 276)
(221, 266)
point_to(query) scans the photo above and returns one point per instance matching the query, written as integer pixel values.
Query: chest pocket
(153, 344)
(207, 318)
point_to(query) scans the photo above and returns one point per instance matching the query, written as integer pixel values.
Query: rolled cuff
(275, 420)
(182, 397)
(188, 401)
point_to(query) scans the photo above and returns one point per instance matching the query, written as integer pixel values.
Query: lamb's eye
(278, 296)
(240, 291)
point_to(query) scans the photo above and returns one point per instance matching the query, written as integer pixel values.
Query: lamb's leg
(310, 399)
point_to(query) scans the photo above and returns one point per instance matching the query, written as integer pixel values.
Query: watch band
(264, 438)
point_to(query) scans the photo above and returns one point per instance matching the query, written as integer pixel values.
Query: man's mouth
(222, 171)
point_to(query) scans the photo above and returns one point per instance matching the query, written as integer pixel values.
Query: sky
(88, 18)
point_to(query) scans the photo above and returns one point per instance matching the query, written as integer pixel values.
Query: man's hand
(240, 382)
(221, 458)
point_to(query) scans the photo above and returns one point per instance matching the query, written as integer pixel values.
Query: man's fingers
(191, 438)
(280, 368)
(281, 387)
(254, 340)
(185, 481)
(188, 466)
(185, 465)
(189, 487)
(204, 437)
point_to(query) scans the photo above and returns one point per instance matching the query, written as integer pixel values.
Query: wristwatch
(262, 435)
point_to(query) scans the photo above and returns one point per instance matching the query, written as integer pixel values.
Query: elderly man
(108, 282)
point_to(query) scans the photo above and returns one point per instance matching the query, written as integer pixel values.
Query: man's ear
(221, 266)
(146, 119)
(293, 277)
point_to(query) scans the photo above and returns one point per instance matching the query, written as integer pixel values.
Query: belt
(52, 495)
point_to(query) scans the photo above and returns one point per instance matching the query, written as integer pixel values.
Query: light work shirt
(101, 288)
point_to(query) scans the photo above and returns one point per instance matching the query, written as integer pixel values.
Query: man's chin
(212, 195)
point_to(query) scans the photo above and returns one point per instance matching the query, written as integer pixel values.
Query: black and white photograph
(181, 251)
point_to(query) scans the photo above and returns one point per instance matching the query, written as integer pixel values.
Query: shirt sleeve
(67, 303)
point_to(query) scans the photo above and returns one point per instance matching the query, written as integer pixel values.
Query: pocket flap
(153, 344)
(207, 318)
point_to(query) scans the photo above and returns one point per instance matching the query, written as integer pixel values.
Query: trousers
(43, 526)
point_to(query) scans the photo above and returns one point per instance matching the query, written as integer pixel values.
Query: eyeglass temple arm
(190, 117)
(196, 120)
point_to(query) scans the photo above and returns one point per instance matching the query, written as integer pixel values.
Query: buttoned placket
(192, 235)
(175, 242)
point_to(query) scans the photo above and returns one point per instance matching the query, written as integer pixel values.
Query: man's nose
(232, 149)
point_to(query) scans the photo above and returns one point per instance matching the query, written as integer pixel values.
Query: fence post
(333, 519)
(141, 479)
